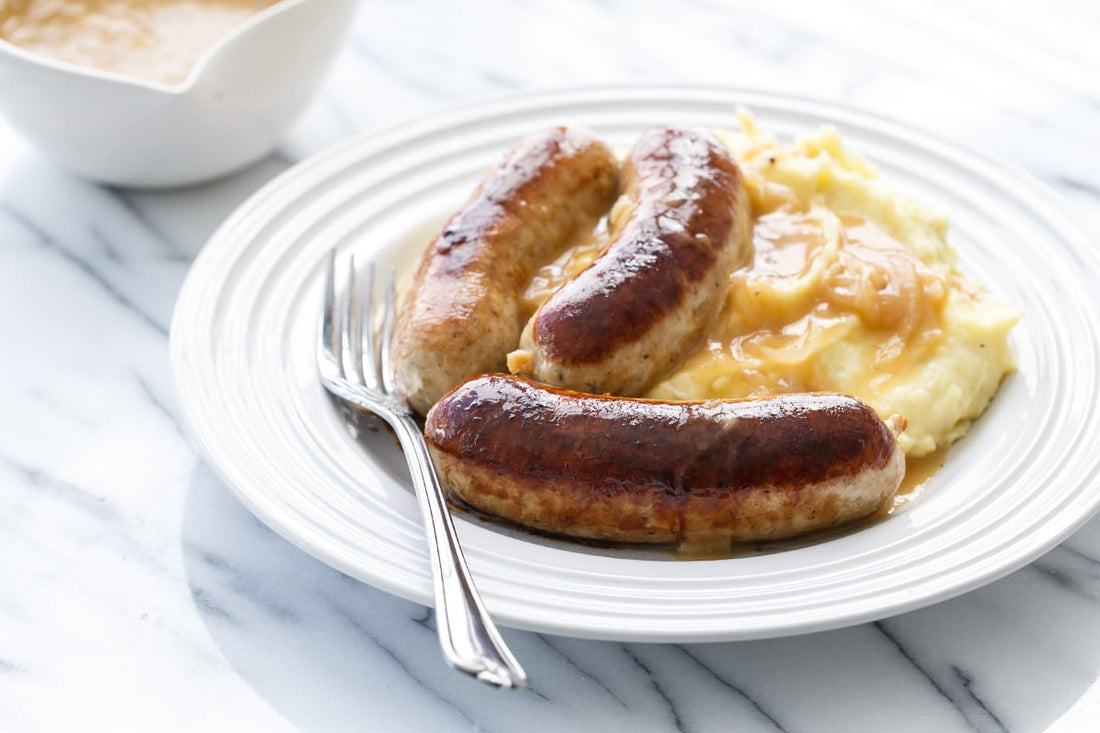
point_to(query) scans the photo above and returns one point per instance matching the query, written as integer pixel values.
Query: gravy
(152, 40)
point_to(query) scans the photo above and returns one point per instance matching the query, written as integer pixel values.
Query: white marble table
(137, 594)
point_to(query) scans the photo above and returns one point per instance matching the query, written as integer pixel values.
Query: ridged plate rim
(241, 351)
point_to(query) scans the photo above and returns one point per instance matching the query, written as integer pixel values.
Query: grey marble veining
(138, 594)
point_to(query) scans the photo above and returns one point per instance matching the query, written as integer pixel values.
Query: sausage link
(682, 225)
(461, 315)
(645, 471)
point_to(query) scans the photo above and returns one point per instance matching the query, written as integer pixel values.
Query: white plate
(243, 350)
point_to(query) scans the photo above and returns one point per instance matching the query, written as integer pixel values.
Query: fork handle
(467, 634)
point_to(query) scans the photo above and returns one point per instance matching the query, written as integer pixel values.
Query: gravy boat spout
(239, 97)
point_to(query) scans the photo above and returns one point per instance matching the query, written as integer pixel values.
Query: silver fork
(351, 370)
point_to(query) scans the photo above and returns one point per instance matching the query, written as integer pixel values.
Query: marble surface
(136, 593)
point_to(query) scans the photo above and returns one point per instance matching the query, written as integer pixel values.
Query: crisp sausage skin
(644, 471)
(681, 226)
(461, 314)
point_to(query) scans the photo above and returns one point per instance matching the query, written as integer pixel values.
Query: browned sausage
(682, 225)
(461, 316)
(633, 470)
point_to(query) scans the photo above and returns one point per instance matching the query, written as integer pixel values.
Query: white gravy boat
(240, 96)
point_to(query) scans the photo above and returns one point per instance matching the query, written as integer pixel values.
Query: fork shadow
(329, 653)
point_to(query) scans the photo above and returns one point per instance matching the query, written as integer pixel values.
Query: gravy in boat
(151, 40)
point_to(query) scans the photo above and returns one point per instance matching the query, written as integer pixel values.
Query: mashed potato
(853, 288)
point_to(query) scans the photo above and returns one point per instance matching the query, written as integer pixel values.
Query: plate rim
(1065, 223)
